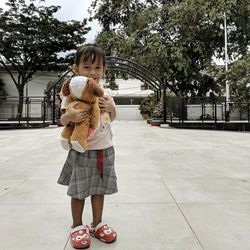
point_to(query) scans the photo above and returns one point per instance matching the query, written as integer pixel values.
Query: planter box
(156, 122)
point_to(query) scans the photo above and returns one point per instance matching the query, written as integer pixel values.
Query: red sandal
(80, 237)
(103, 232)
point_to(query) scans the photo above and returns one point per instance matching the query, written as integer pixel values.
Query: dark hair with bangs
(89, 52)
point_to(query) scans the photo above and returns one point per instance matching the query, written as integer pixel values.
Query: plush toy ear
(65, 88)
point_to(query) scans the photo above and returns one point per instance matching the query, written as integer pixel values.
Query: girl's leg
(104, 232)
(77, 210)
(97, 202)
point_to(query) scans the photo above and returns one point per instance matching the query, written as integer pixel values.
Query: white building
(128, 96)
(35, 87)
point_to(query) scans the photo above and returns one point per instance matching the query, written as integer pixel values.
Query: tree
(238, 19)
(238, 77)
(113, 15)
(31, 39)
(176, 40)
(3, 92)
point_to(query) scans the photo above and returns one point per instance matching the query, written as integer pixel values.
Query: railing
(206, 110)
(36, 109)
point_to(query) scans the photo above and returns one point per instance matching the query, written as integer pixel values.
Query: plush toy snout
(95, 88)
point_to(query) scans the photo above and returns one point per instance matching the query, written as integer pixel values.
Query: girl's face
(91, 70)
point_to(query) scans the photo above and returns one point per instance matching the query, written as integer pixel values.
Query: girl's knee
(77, 200)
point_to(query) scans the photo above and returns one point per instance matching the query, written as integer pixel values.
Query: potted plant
(157, 114)
(147, 106)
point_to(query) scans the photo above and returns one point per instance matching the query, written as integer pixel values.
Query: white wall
(39, 82)
(36, 86)
(128, 112)
(130, 87)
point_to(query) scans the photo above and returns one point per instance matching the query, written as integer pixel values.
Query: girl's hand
(74, 116)
(77, 116)
(106, 104)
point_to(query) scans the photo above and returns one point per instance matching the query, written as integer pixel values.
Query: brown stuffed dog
(84, 92)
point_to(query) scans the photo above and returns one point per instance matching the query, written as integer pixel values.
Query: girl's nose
(92, 71)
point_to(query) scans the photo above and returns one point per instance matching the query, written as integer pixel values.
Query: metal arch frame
(141, 77)
(137, 74)
(136, 70)
(129, 67)
(143, 74)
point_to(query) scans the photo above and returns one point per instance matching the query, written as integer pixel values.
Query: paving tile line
(67, 241)
(134, 203)
(11, 189)
(179, 208)
(33, 204)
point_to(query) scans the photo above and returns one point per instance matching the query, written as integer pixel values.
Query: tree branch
(8, 70)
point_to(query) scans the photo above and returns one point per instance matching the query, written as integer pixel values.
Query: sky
(71, 10)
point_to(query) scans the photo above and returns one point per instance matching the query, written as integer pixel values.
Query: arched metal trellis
(133, 69)
(126, 66)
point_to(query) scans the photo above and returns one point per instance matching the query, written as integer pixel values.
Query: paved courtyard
(178, 189)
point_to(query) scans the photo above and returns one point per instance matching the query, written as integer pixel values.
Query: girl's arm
(65, 118)
(106, 104)
(112, 112)
(73, 115)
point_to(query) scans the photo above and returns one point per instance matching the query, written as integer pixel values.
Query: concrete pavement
(178, 189)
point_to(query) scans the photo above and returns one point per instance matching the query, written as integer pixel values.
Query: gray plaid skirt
(81, 174)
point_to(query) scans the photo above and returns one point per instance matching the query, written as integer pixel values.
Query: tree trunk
(20, 103)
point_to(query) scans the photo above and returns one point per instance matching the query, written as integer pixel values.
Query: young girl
(81, 171)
